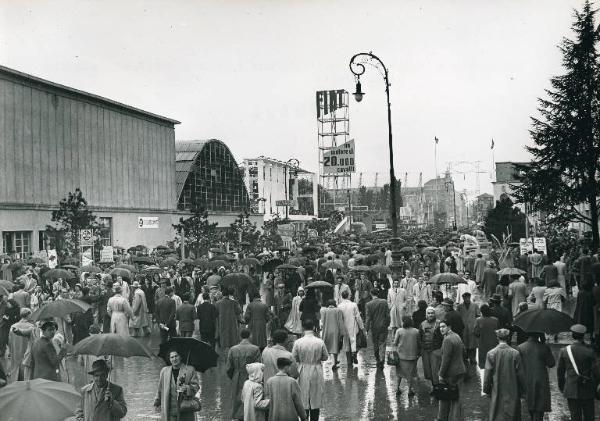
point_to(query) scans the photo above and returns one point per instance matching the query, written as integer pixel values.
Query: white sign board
(86, 237)
(148, 222)
(527, 244)
(87, 256)
(106, 254)
(52, 259)
(339, 159)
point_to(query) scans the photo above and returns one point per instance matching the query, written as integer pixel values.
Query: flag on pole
(492, 144)
(436, 140)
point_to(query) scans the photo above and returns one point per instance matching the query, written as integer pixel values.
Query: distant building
(507, 175)
(483, 203)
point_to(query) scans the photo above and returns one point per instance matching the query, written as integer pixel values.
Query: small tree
(242, 231)
(505, 218)
(270, 237)
(71, 216)
(198, 232)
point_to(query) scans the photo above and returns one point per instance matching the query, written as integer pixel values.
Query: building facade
(56, 139)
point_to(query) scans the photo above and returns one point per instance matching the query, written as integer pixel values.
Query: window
(105, 231)
(17, 242)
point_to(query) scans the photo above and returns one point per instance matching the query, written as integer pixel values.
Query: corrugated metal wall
(51, 144)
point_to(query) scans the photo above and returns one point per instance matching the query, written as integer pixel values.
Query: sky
(246, 71)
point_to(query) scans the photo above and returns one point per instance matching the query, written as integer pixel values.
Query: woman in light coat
(252, 394)
(119, 310)
(171, 391)
(293, 323)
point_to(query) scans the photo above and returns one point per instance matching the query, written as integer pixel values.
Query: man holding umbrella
(101, 400)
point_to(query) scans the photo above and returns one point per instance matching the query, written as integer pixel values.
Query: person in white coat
(353, 323)
(396, 299)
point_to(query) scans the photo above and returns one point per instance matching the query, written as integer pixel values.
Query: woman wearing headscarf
(252, 394)
(20, 340)
(119, 310)
(293, 323)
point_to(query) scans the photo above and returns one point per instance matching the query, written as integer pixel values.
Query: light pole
(448, 183)
(358, 68)
(293, 163)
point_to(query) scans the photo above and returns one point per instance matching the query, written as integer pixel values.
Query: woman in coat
(485, 332)
(176, 383)
(408, 345)
(537, 357)
(333, 330)
(293, 323)
(119, 310)
(252, 394)
(310, 308)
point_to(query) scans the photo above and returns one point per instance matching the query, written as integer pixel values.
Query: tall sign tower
(336, 150)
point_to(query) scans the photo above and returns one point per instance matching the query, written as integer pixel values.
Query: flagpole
(436, 140)
(493, 173)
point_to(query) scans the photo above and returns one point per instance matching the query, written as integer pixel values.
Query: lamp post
(358, 68)
(448, 183)
(293, 163)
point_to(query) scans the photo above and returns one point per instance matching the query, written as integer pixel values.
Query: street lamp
(294, 164)
(358, 68)
(451, 182)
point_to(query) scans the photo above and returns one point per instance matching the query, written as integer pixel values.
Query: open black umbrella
(130, 268)
(193, 352)
(60, 308)
(446, 278)
(236, 280)
(122, 272)
(544, 320)
(143, 259)
(270, 265)
(249, 261)
(90, 269)
(319, 284)
(112, 344)
(58, 273)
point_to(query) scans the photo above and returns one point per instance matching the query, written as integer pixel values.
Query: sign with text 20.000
(339, 159)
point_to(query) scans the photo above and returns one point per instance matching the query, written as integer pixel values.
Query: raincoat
(119, 310)
(293, 323)
(139, 309)
(396, 299)
(237, 358)
(252, 394)
(353, 323)
(333, 328)
(309, 352)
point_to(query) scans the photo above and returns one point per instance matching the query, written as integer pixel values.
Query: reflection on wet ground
(364, 393)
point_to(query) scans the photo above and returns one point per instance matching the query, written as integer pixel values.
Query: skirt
(407, 369)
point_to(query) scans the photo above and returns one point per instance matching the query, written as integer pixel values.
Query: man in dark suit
(207, 319)
(257, 315)
(166, 312)
(44, 357)
(452, 366)
(579, 391)
(186, 315)
(378, 320)
(500, 312)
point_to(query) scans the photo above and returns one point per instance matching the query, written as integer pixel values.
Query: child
(252, 394)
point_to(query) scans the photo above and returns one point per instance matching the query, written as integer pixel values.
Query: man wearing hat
(489, 280)
(504, 372)
(578, 375)
(453, 317)
(503, 314)
(45, 359)
(101, 400)
(139, 323)
(469, 312)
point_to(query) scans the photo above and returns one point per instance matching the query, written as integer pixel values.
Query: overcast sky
(246, 72)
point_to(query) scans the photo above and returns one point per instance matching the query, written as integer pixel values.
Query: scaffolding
(333, 125)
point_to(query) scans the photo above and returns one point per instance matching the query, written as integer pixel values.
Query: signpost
(339, 159)
(148, 222)
(285, 203)
(528, 244)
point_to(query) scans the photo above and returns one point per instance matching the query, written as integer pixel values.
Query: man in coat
(185, 316)
(453, 318)
(333, 330)
(165, 316)
(378, 320)
(101, 400)
(45, 360)
(239, 355)
(479, 268)
(469, 312)
(256, 317)
(500, 312)
(452, 370)
(517, 292)
(503, 367)
(284, 394)
(579, 394)
(489, 281)
(271, 354)
(207, 319)
(139, 323)
(228, 319)
(309, 352)
(537, 357)
(353, 324)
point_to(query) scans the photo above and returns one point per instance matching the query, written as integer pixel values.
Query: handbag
(445, 392)
(361, 340)
(190, 404)
(393, 358)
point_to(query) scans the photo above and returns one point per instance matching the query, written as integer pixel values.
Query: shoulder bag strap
(572, 359)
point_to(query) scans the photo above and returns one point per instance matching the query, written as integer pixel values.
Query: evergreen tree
(199, 234)
(71, 216)
(563, 175)
(505, 218)
(242, 231)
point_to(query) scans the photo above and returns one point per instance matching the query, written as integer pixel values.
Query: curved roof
(186, 154)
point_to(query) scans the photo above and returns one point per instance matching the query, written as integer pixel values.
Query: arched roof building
(208, 176)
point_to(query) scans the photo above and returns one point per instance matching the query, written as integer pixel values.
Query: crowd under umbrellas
(280, 300)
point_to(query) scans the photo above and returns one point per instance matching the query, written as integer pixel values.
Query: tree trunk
(594, 222)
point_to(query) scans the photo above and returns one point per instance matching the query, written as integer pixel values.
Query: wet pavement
(364, 393)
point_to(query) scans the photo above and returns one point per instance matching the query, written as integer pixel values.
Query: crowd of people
(286, 312)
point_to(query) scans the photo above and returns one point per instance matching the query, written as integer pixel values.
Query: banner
(339, 159)
(146, 222)
(86, 237)
(106, 254)
(329, 101)
(52, 259)
(527, 244)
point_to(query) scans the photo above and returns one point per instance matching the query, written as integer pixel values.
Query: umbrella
(382, 269)
(203, 263)
(361, 268)
(249, 261)
(7, 284)
(36, 260)
(112, 344)
(188, 262)
(271, 265)
(319, 284)
(196, 353)
(90, 269)
(122, 272)
(511, 272)
(60, 308)
(169, 261)
(219, 257)
(287, 266)
(309, 249)
(544, 320)
(371, 259)
(407, 249)
(359, 256)
(130, 268)
(236, 279)
(118, 248)
(38, 399)
(69, 267)
(59, 273)
(297, 261)
(143, 259)
(4, 256)
(217, 263)
(330, 264)
(15, 265)
(446, 278)
(161, 247)
(152, 269)
(431, 248)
